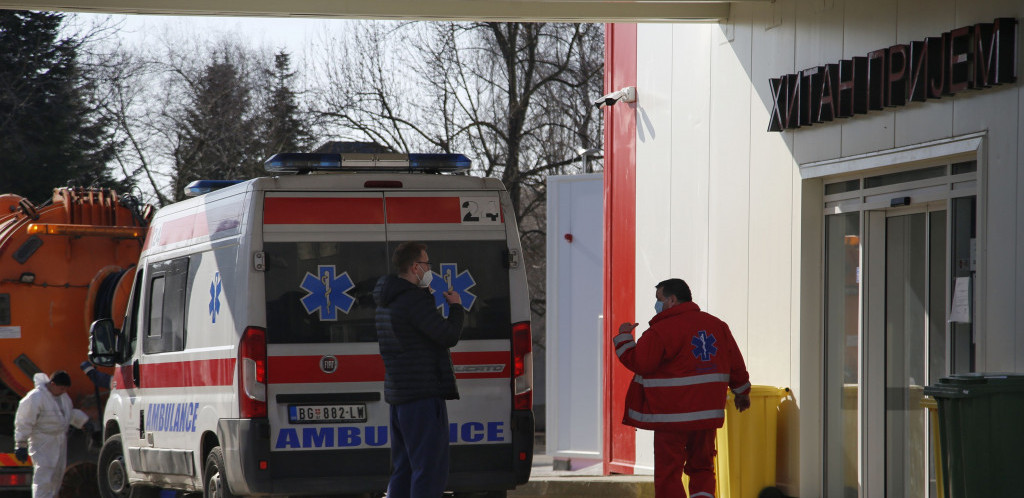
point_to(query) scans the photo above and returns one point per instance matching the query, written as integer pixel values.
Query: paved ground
(585, 482)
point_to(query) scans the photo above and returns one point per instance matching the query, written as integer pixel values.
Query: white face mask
(426, 278)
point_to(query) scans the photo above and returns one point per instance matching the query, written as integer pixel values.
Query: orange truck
(63, 264)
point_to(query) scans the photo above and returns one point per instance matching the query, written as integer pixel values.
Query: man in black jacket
(414, 339)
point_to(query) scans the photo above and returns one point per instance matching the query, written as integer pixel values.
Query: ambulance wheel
(216, 485)
(112, 475)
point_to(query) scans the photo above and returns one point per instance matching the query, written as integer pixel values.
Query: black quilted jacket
(414, 339)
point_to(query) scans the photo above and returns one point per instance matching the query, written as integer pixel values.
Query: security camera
(627, 95)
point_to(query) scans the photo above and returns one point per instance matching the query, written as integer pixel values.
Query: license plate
(318, 414)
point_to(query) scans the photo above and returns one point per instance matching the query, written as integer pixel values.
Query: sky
(293, 34)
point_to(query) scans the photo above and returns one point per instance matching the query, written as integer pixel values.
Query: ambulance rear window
(322, 292)
(476, 269)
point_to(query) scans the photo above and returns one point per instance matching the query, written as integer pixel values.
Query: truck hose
(105, 295)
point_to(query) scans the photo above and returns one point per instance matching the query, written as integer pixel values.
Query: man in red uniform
(683, 364)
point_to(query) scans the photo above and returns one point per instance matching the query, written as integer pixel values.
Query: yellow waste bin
(745, 463)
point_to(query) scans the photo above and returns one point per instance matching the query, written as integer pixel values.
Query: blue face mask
(659, 306)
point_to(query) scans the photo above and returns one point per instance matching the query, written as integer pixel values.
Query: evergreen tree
(50, 133)
(283, 127)
(217, 136)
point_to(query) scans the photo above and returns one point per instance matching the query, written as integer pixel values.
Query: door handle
(135, 373)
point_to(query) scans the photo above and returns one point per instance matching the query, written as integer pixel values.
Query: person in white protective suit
(41, 430)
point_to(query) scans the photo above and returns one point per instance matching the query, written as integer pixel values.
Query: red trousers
(692, 452)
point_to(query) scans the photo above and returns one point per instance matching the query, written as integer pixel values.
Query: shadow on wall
(787, 451)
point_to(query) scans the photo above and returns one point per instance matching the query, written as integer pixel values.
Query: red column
(619, 238)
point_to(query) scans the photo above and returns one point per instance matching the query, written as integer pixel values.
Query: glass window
(322, 292)
(842, 343)
(156, 307)
(166, 324)
(965, 167)
(475, 268)
(962, 260)
(904, 176)
(840, 187)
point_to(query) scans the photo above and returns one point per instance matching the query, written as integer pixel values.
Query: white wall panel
(1003, 336)
(655, 217)
(729, 188)
(653, 165)
(691, 88)
(721, 204)
(931, 120)
(976, 111)
(772, 331)
(868, 28)
(819, 40)
(771, 195)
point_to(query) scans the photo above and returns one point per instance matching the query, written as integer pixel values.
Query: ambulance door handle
(135, 373)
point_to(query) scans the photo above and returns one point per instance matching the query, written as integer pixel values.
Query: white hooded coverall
(42, 420)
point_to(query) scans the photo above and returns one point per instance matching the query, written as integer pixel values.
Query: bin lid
(963, 385)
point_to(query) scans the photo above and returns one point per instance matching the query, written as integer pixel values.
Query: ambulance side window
(165, 320)
(131, 323)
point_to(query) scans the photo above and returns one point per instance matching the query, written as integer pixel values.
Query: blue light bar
(298, 162)
(294, 162)
(200, 187)
(439, 162)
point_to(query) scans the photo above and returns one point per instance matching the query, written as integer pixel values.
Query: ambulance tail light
(522, 369)
(252, 374)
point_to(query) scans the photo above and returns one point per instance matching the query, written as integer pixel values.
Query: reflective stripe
(624, 348)
(676, 417)
(621, 338)
(702, 495)
(683, 381)
(742, 388)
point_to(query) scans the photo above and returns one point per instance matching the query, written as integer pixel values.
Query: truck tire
(112, 475)
(80, 481)
(214, 483)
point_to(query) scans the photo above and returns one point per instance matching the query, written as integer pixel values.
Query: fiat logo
(328, 364)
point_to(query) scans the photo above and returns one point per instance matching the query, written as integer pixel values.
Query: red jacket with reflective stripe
(683, 364)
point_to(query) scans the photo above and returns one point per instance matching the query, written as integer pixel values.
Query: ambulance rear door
(466, 242)
(324, 252)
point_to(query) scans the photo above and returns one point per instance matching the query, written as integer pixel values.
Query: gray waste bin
(981, 434)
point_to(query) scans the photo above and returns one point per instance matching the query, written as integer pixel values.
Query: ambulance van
(248, 361)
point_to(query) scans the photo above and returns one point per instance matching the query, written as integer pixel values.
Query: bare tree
(513, 95)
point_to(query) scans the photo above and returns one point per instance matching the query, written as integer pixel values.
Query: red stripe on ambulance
(323, 211)
(370, 368)
(196, 373)
(306, 369)
(424, 210)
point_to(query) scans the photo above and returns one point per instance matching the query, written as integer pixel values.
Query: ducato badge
(328, 364)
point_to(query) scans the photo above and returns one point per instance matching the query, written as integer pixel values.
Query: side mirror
(102, 339)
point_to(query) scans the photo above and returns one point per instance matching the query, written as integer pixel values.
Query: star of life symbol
(215, 288)
(704, 346)
(327, 292)
(450, 278)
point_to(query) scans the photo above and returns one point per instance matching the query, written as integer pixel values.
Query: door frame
(814, 177)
